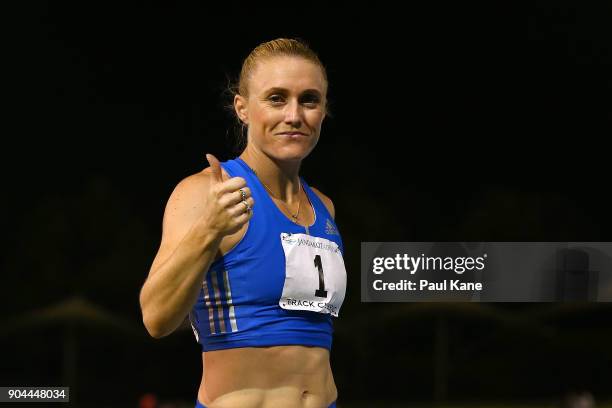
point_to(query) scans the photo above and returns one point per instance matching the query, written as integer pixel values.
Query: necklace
(293, 216)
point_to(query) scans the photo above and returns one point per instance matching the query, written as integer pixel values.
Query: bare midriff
(267, 377)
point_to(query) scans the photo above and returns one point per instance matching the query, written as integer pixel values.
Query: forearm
(171, 290)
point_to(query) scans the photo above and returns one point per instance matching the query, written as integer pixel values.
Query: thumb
(215, 166)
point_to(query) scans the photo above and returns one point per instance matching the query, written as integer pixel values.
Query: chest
(280, 264)
(305, 217)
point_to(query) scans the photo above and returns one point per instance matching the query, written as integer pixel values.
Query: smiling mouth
(292, 134)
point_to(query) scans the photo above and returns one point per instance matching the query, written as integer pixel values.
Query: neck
(281, 177)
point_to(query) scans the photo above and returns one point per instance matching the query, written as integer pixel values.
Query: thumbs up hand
(228, 202)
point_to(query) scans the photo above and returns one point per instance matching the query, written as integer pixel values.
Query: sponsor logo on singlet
(330, 229)
(297, 241)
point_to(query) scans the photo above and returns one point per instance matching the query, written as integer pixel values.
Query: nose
(293, 114)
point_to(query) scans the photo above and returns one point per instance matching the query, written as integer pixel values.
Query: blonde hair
(275, 48)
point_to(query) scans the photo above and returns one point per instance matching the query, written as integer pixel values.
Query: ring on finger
(243, 195)
(248, 207)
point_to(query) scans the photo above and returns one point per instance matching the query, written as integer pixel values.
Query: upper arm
(327, 201)
(182, 210)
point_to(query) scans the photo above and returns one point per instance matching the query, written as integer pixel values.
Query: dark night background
(451, 121)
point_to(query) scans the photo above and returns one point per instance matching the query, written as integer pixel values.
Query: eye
(311, 100)
(276, 99)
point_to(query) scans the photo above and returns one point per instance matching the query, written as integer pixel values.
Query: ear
(325, 107)
(240, 106)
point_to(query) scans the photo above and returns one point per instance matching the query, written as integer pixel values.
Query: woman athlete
(251, 252)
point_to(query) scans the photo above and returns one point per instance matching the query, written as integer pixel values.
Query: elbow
(153, 327)
(155, 321)
(151, 323)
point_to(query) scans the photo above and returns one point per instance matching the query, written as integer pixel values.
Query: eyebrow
(283, 90)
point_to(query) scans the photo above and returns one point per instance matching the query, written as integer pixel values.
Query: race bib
(315, 277)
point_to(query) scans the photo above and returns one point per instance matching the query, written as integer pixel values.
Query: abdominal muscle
(267, 377)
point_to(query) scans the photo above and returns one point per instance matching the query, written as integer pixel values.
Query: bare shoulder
(326, 200)
(185, 205)
(189, 193)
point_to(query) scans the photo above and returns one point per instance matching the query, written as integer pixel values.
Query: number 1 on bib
(321, 292)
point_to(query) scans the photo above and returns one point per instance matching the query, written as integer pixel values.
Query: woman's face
(285, 107)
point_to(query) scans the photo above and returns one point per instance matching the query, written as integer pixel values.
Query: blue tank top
(238, 304)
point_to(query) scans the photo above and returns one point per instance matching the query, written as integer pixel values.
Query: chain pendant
(294, 217)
